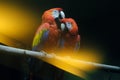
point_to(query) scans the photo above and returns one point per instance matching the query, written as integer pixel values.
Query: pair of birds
(55, 33)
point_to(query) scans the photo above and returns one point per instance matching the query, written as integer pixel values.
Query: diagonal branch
(50, 58)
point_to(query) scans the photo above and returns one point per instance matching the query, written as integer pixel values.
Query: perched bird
(46, 39)
(69, 42)
(70, 38)
(48, 33)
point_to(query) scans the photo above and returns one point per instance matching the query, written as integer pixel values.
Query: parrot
(46, 39)
(48, 32)
(70, 39)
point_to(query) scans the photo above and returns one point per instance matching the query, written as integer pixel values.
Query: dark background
(98, 22)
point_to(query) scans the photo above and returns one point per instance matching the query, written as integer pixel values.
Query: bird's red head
(70, 24)
(59, 9)
(51, 14)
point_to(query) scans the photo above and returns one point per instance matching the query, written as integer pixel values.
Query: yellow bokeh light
(77, 63)
(17, 23)
(17, 27)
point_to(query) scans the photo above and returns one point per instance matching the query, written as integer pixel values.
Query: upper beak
(62, 14)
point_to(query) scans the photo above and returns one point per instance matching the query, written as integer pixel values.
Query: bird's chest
(52, 40)
(70, 40)
(54, 35)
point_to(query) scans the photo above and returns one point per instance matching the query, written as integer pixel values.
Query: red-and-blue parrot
(70, 39)
(48, 33)
(46, 39)
(69, 42)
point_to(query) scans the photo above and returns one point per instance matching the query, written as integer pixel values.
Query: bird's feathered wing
(40, 37)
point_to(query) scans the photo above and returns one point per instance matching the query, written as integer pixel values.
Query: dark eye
(55, 11)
